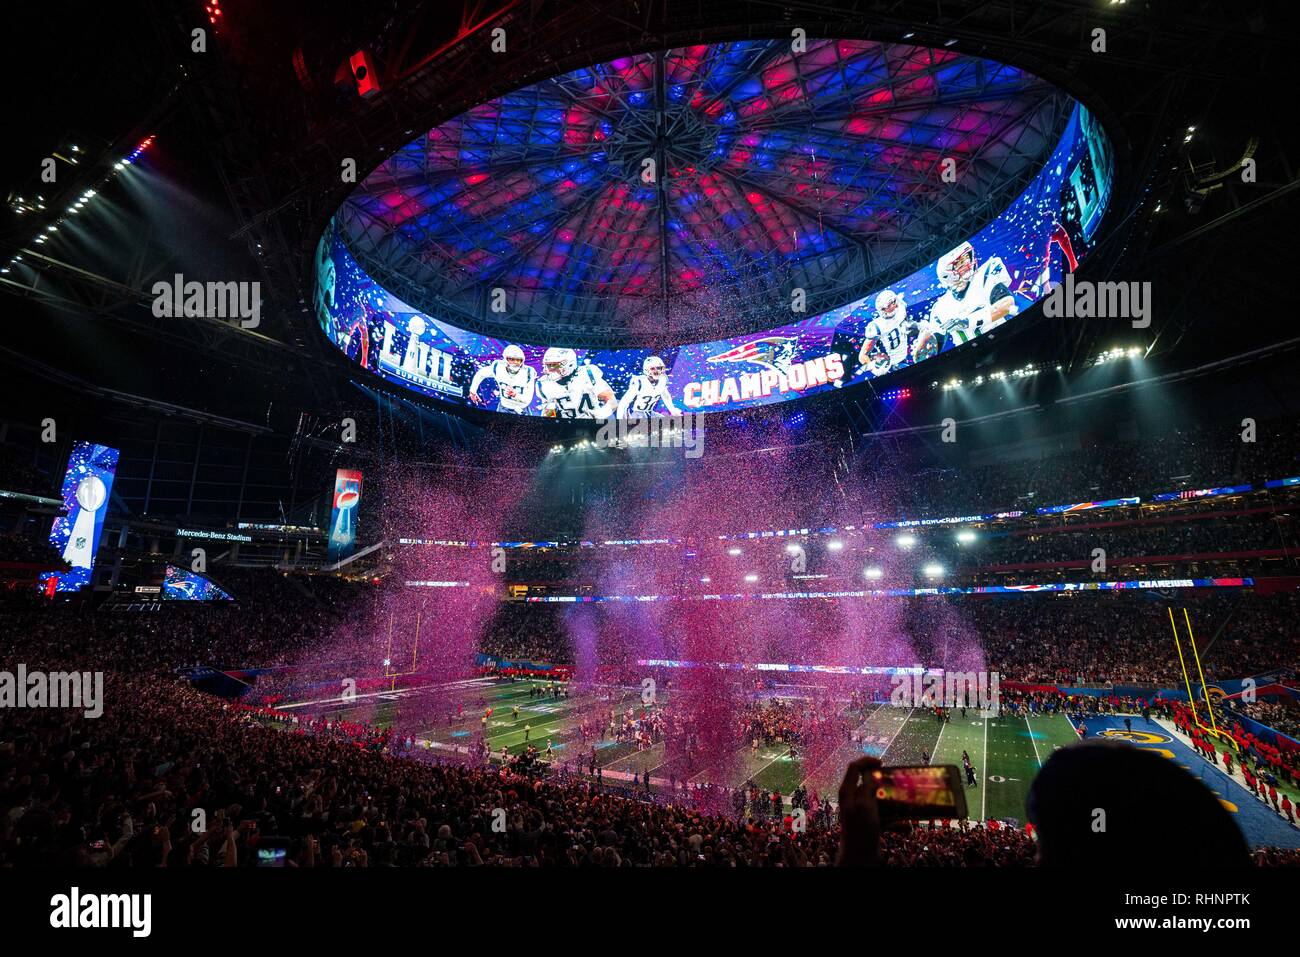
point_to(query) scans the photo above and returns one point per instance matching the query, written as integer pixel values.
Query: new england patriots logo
(774, 352)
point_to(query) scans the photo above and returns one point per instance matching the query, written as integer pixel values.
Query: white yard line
(984, 788)
(404, 692)
(1033, 742)
(743, 751)
(935, 752)
(755, 774)
(902, 724)
(834, 751)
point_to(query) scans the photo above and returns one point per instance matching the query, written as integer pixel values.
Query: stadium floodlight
(965, 536)
(733, 550)
(751, 577)
(1134, 352)
(933, 571)
(834, 545)
(905, 541)
(873, 573)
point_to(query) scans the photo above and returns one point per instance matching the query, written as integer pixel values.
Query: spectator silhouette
(1154, 812)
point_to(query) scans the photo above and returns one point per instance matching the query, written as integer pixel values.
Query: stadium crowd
(171, 776)
(22, 549)
(124, 789)
(1282, 716)
(1163, 461)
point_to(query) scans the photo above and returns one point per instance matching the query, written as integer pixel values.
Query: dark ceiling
(244, 171)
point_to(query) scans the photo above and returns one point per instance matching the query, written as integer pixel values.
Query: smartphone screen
(271, 856)
(921, 793)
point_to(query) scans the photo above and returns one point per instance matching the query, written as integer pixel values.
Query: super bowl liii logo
(417, 361)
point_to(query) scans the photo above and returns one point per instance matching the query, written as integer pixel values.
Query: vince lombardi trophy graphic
(343, 523)
(347, 503)
(91, 496)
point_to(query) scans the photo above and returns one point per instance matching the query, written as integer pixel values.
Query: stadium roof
(687, 192)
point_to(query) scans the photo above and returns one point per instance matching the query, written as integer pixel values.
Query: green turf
(1016, 748)
(823, 778)
(1007, 751)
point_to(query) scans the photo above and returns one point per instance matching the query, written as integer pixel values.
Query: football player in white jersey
(978, 298)
(515, 381)
(573, 392)
(888, 340)
(646, 391)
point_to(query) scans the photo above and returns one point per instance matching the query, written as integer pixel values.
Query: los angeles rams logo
(1136, 737)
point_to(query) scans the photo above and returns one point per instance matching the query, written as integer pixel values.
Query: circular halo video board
(978, 285)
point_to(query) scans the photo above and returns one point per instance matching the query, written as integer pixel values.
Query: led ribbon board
(779, 162)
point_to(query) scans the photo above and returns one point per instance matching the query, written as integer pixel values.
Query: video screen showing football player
(647, 391)
(887, 341)
(515, 382)
(977, 298)
(570, 391)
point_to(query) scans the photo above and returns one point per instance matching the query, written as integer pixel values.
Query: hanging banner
(343, 520)
(86, 488)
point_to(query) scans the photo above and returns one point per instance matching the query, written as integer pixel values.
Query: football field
(1006, 751)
